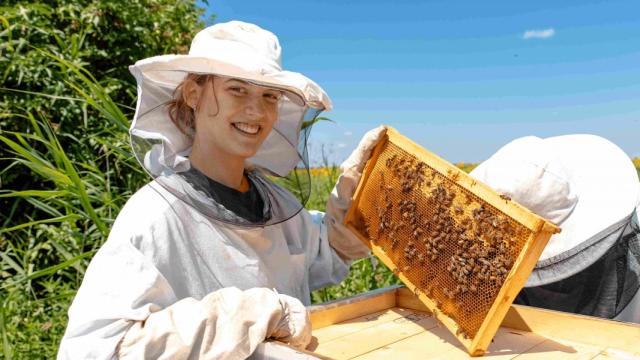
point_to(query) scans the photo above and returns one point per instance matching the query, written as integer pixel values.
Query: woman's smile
(246, 128)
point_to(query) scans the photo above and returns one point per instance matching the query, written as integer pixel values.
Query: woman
(212, 257)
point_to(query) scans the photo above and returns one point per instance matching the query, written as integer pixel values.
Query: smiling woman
(212, 257)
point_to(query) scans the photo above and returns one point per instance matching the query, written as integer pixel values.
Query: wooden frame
(525, 332)
(540, 232)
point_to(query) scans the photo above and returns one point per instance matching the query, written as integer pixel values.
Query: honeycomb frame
(463, 249)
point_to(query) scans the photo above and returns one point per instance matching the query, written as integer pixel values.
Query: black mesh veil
(604, 288)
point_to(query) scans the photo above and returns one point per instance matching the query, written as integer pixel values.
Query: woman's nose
(254, 107)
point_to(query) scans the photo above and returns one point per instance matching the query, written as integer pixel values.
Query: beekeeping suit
(589, 187)
(183, 277)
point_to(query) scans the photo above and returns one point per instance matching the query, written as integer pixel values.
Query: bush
(65, 152)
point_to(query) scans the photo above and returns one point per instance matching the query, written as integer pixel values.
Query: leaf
(34, 193)
(308, 123)
(14, 265)
(63, 265)
(70, 217)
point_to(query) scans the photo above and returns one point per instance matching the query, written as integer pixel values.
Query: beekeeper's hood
(238, 50)
(583, 183)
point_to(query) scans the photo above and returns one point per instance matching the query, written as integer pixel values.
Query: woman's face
(234, 117)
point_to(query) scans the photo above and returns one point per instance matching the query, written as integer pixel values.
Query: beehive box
(463, 249)
(392, 323)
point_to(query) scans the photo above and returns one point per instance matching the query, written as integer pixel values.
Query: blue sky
(461, 78)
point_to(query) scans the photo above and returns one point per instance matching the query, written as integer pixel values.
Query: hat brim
(170, 70)
(608, 191)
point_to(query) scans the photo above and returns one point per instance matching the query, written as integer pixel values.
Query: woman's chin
(244, 153)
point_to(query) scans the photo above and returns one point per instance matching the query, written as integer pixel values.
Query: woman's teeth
(247, 128)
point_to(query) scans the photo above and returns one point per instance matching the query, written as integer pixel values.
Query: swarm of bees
(442, 237)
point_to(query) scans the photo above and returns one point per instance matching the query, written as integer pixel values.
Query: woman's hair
(183, 115)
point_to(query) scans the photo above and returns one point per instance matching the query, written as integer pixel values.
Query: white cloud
(348, 133)
(539, 34)
(342, 145)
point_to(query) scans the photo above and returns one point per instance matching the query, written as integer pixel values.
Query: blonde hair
(182, 115)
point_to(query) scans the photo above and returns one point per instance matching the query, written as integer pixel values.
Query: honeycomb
(451, 244)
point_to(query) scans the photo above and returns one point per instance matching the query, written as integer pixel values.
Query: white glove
(345, 243)
(294, 326)
(226, 324)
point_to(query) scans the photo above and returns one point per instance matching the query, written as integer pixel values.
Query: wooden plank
(369, 339)
(586, 329)
(560, 349)
(438, 343)
(507, 344)
(342, 310)
(424, 345)
(609, 354)
(335, 331)
(273, 349)
(407, 299)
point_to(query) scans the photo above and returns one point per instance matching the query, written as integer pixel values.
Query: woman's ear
(191, 92)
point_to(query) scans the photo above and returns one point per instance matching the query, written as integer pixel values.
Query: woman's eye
(238, 90)
(272, 97)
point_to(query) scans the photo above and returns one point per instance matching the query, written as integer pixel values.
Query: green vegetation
(65, 164)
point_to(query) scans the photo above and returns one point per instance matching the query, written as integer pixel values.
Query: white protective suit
(181, 285)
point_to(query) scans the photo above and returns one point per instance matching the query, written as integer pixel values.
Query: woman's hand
(341, 239)
(358, 158)
(294, 326)
(226, 324)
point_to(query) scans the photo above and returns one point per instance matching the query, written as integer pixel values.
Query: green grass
(50, 232)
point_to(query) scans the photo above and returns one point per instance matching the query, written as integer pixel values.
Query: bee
(505, 197)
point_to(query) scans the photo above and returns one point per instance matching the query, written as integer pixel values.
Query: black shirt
(247, 205)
